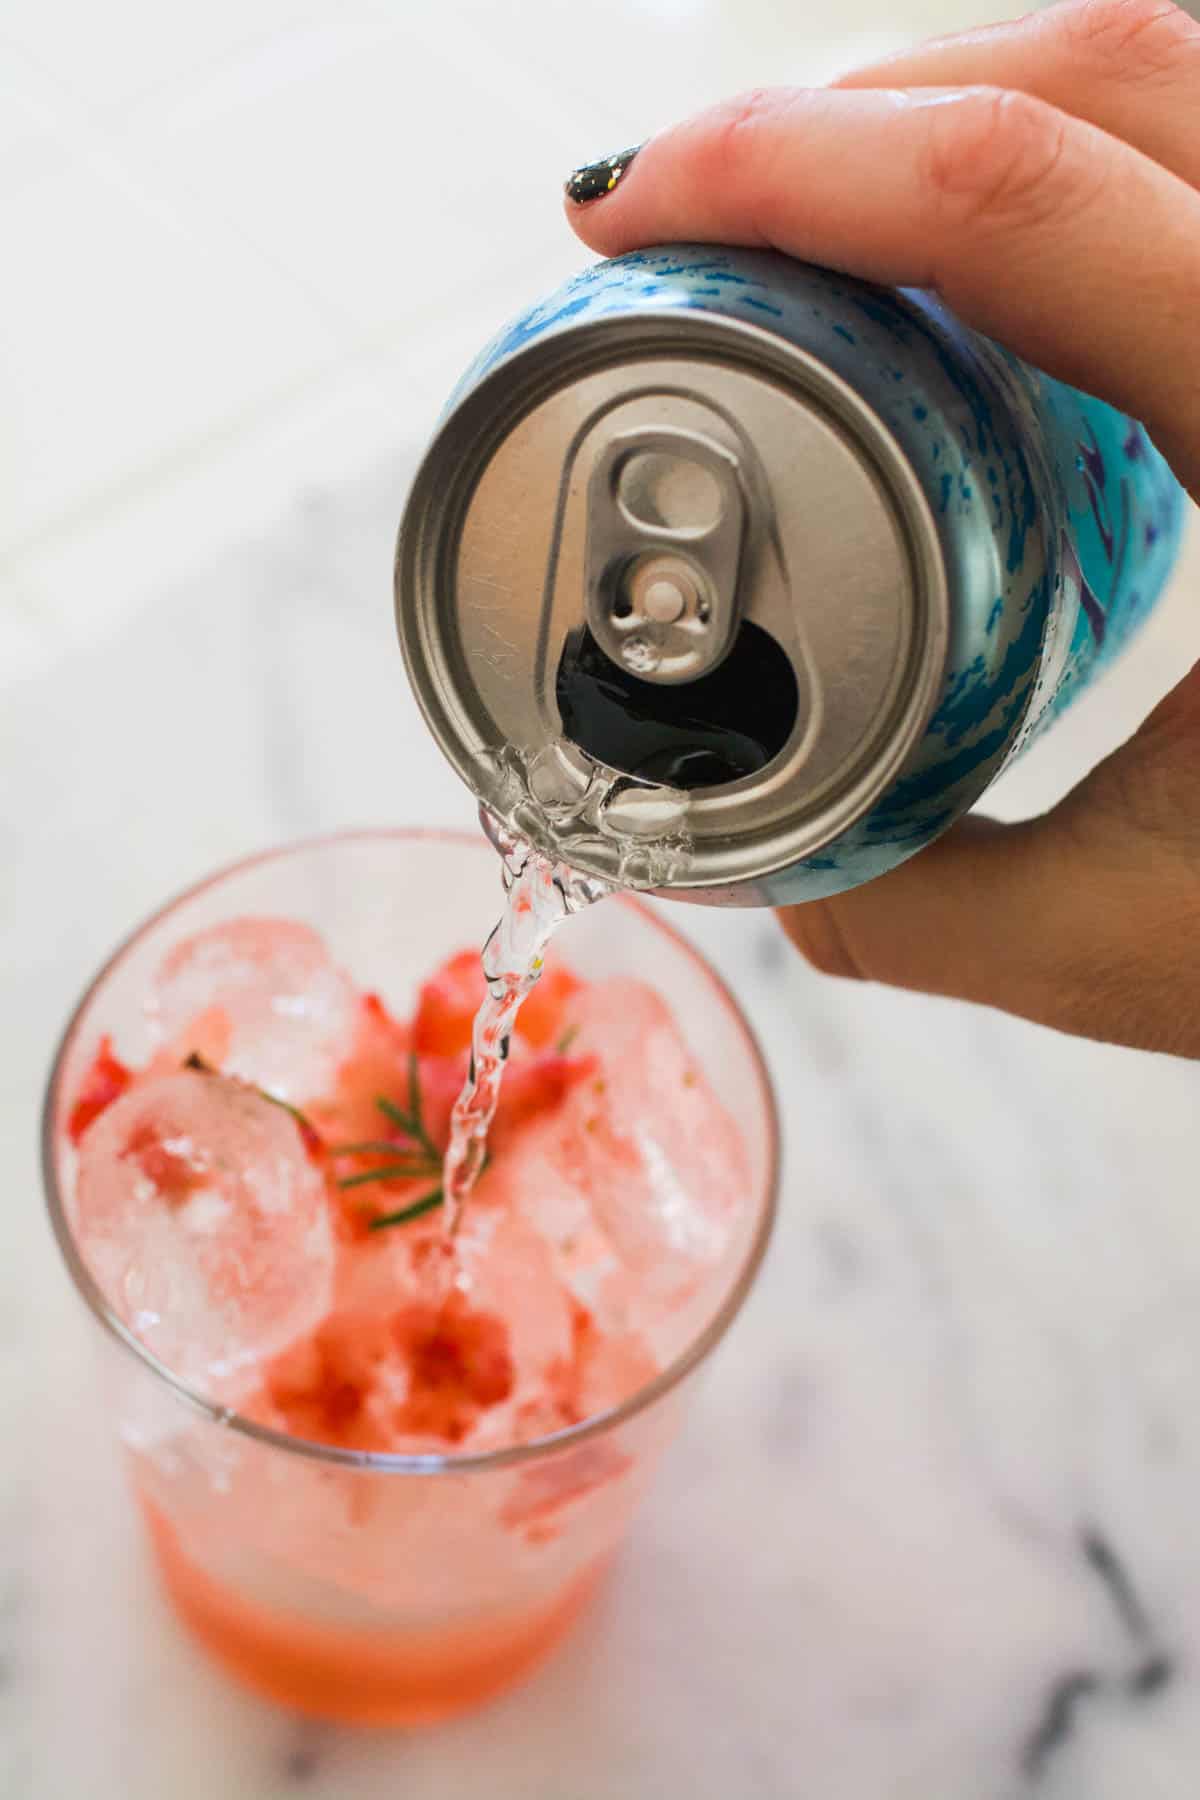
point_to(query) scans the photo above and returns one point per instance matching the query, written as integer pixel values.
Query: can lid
(667, 581)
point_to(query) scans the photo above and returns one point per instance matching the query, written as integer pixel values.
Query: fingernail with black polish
(596, 179)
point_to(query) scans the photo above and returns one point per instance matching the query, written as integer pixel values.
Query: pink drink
(414, 1451)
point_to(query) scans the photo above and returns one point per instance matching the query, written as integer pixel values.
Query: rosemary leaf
(389, 1172)
(411, 1122)
(427, 1203)
(403, 1120)
(377, 1147)
(414, 1092)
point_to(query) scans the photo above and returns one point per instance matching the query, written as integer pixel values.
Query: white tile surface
(354, 173)
(110, 55)
(215, 218)
(125, 339)
(638, 67)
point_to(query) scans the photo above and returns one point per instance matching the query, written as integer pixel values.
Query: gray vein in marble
(1103, 1560)
(1153, 1669)
(1057, 1721)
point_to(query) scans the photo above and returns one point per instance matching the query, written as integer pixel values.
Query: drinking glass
(395, 1588)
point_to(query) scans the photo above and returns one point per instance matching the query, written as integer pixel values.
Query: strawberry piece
(377, 1064)
(535, 1086)
(175, 1169)
(459, 1364)
(447, 1006)
(323, 1386)
(106, 1080)
(540, 1021)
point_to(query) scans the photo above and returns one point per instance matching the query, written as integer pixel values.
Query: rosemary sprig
(410, 1122)
(374, 1147)
(566, 1040)
(404, 1121)
(425, 1204)
(426, 1160)
(389, 1172)
(405, 1163)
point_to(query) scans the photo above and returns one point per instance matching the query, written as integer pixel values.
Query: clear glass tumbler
(381, 1588)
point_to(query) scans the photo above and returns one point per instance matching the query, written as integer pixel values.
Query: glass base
(357, 1677)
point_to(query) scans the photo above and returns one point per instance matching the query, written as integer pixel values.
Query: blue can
(742, 579)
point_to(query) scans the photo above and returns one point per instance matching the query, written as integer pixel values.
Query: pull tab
(666, 522)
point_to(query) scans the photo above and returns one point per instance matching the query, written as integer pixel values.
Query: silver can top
(671, 599)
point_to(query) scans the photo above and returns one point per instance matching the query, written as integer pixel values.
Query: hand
(1044, 178)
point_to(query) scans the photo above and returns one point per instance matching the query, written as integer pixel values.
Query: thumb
(1084, 919)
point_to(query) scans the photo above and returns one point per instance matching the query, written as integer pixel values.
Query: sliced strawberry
(173, 1167)
(377, 1064)
(540, 1021)
(382, 1020)
(537, 1085)
(106, 1080)
(447, 1006)
(441, 1083)
(323, 1386)
(459, 1364)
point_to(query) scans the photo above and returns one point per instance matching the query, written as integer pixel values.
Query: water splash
(543, 810)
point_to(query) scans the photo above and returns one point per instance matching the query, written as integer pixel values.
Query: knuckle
(996, 157)
(737, 152)
(1131, 39)
(737, 128)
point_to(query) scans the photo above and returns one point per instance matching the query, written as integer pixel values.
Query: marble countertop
(931, 1533)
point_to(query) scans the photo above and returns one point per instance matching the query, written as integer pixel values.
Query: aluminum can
(741, 579)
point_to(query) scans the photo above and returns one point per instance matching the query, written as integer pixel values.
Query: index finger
(1037, 228)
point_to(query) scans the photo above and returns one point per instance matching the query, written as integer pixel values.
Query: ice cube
(502, 1266)
(541, 1179)
(661, 1160)
(610, 1369)
(206, 1224)
(267, 999)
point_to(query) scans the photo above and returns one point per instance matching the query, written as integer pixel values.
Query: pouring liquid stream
(540, 894)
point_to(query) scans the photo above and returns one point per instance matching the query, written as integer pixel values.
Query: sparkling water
(541, 893)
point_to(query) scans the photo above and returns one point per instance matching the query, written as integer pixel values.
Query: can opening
(680, 543)
(719, 728)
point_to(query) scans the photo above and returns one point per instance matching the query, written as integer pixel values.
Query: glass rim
(433, 1463)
